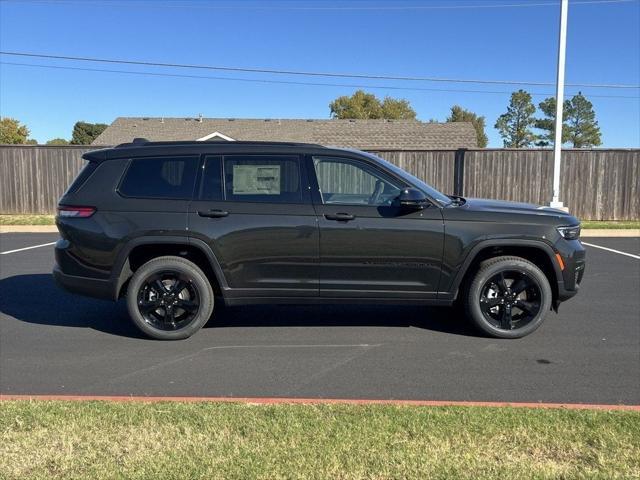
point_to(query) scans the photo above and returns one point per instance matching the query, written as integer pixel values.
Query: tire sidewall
(200, 281)
(484, 274)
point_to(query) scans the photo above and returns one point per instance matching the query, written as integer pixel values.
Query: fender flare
(473, 253)
(122, 270)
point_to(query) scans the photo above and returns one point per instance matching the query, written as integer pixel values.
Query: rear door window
(160, 177)
(263, 178)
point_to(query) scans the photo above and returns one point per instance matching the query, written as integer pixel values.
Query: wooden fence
(595, 184)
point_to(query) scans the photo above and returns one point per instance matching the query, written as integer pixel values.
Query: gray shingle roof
(362, 134)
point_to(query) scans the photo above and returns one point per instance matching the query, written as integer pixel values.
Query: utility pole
(557, 144)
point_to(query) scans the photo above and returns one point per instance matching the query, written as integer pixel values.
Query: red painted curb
(317, 401)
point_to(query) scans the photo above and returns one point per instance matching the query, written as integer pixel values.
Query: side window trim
(200, 180)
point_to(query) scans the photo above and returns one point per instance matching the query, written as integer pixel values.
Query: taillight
(76, 212)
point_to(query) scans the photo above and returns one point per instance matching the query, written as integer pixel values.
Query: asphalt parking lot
(52, 342)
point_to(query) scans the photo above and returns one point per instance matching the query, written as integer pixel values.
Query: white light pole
(557, 144)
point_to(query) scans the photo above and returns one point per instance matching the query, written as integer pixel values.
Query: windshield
(436, 195)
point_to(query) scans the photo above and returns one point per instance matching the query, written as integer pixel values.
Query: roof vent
(200, 117)
(309, 119)
(231, 119)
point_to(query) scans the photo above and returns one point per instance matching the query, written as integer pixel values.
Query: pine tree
(515, 125)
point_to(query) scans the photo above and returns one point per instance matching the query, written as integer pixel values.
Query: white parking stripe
(27, 248)
(612, 250)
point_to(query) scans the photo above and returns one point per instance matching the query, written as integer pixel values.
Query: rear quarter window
(83, 176)
(160, 177)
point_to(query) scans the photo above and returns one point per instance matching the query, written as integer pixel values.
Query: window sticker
(256, 179)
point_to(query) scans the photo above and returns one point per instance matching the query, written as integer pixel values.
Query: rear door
(256, 214)
(369, 247)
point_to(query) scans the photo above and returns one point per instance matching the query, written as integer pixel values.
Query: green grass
(27, 220)
(609, 225)
(44, 439)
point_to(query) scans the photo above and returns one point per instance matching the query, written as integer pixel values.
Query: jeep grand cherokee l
(179, 227)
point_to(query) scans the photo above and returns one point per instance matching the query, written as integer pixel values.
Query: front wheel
(169, 298)
(508, 298)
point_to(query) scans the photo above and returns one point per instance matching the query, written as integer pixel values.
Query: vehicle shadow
(37, 299)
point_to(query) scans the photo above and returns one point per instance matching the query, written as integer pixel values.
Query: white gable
(216, 134)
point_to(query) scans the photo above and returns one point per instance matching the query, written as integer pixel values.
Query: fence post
(458, 172)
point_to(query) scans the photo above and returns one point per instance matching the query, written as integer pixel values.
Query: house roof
(361, 134)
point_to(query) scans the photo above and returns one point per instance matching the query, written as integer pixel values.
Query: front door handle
(213, 213)
(339, 217)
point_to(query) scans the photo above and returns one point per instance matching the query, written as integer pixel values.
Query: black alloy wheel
(510, 299)
(168, 300)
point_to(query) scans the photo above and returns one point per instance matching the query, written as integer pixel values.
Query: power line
(309, 73)
(297, 7)
(286, 82)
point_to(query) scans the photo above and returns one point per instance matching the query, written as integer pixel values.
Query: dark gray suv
(178, 227)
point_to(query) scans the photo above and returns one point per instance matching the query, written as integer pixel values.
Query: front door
(368, 246)
(255, 213)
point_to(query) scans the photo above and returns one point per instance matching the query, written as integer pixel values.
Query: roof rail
(139, 142)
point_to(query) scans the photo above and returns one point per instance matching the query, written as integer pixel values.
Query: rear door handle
(213, 213)
(339, 217)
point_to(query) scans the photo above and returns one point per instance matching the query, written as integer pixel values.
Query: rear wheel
(508, 298)
(169, 298)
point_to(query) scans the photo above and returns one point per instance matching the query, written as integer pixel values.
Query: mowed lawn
(96, 440)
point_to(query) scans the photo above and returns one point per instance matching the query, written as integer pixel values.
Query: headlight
(570, 233)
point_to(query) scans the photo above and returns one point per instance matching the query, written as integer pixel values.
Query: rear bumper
(90, 287)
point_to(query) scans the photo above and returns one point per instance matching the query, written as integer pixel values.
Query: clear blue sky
(512, 43)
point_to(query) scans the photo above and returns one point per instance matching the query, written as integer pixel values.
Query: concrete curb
(28, 229)
(613, 232)
(316, 401)
(587, 233)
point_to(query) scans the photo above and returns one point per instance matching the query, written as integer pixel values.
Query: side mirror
(411, 199)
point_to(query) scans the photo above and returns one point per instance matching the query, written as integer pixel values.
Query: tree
(582, 126)
(515, 125)
(84, 133)
(459, 114)
(548, 123)
(58, 141)
(397, 109)
(11, 132)
(363, 105)
(31, 141)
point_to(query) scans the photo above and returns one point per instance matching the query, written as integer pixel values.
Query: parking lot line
(612, 250)
(27, 248)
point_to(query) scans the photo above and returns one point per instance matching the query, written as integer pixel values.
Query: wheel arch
(538, 252)
(141, 249)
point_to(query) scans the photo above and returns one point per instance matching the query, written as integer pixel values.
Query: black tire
(169, 298)
(493, 306)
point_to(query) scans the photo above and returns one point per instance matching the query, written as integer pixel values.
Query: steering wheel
(374, 199)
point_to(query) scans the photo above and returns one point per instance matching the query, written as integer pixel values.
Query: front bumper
(574, 266)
